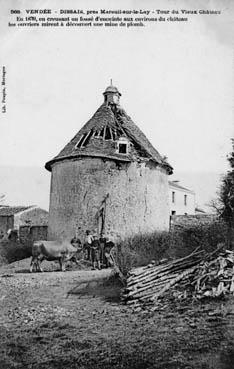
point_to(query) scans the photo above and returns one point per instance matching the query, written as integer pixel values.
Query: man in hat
(87, 244)
(95, 252)
(102, 241)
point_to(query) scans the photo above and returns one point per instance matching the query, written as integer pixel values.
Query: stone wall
(28, 235)
(183, 221)
(6, 222)
(38, 233)
(131, 198)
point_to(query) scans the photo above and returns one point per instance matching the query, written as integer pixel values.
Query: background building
(13, 217)
(181, 199)
(108, 178)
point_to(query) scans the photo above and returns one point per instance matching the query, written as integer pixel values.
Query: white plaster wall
(137, 202)
(178, 206)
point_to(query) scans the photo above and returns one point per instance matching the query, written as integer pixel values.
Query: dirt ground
(75, 320)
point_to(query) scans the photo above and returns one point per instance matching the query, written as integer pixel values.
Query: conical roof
(99, 137)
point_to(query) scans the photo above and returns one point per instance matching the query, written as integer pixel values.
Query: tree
(226, 196)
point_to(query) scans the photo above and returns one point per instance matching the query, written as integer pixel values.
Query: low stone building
(14, 217)
(181, 199)
(108, 178)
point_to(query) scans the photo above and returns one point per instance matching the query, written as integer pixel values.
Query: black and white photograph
(116, 184)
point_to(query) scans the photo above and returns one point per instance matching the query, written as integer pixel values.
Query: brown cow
(52, 250)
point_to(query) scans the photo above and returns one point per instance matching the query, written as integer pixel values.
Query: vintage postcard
(116, 184)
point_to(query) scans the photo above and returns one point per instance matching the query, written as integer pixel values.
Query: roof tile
(12, 210)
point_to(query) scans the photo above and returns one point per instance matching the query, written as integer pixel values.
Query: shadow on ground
(27, 271)
(107, 288)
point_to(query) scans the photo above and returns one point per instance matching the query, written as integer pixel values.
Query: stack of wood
(198, 275)
(215, 276)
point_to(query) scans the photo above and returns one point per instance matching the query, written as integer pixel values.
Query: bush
(11, 251)
(141, 249)
(125, 258)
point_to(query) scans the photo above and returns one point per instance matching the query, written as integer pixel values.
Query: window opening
(173, 196)
(122, 148)
(81, 141)
(108, 134)
(87, 138)
(185, 200)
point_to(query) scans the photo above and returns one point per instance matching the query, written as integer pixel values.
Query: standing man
(102, 240)
(95, 252)
(88, 243)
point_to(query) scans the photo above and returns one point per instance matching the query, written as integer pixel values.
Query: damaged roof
(110, 119)
(12, 210)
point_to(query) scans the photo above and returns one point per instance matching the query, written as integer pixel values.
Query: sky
(176, 81)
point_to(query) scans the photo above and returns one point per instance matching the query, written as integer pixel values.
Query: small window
(108, 134)
(123, 145)
(87, 138)
(123, 148)
(185, 200)
(173, 196)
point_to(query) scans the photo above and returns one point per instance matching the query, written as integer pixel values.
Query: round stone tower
(108, 179)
